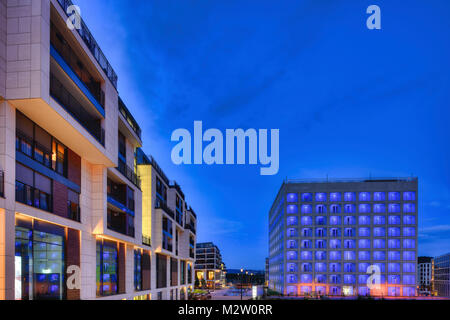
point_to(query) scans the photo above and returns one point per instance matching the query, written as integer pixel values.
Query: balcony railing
(190, 226)
(146, 240)
(71, 105)
(2, 184)
(129, 173)
(162, 205)
(129, 118)
(90, 42)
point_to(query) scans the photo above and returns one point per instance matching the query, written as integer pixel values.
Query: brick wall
(74, 167)
(59, 199)
(73, 258)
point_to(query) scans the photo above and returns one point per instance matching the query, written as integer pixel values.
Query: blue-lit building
(442, 275)
(325, 237)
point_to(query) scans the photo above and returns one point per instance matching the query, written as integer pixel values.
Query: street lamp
(242, 274)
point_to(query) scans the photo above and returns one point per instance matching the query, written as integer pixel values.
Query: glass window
(364, 220)
(335, 267)
(292, 255)
(292, 197)
(409, 232)
(364, 232)
(409, 196)
(307, 208)
(335, 220)
(379, 220)
(364, 196)
(306, 255)
(349, 196)
(409, 267)
(107, 263)
(364, 208)
(394, 208)
(409, 220)
(321, 208)
(364, 243)
(409, 207)
(379, 208)
(137, 270)
(306, 244)
(292, 209)
(321, 232)
(394, 267)
(321, 196)
(349, 255)
(409, 244)
(394, 232)
(306, 221)
(335, 208)
(349, 220)
(379, 255)
(362, 278)
(349, 278)
(362, 267)
(307, 232)
(307, 197)
(409, 279)
(306, 267)
(394, 220)
(321, 244)
(364, 255)
(321, 255)
(335, 196)
(379, 232)
(335, 255)
(349, 232)
(379, 243)
(394, 243)
(394, 196)
(321, 220)
(292, 267)
(349, 208)
(292, 221)
(393, 255)
(320, 267)
(379, 196)
(335, 244)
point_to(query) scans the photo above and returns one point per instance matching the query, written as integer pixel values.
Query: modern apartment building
(425, 275)
(327, 237)
(442, 275)
(209, 266)
(72, 224)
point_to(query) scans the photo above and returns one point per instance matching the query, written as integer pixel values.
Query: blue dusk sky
(349, 102)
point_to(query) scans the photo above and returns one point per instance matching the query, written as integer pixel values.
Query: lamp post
(242, 274)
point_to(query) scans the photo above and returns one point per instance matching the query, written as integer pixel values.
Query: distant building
(266, 274)
(425, 275)
(442, 275)
(210, 270)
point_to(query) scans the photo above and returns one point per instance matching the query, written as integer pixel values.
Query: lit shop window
(394, 232)
(335, 255)
(349, 244)
(364, 220)
(307, 232)
(307, 197)
(306, 221)
(349, 196)
(321, 221)
(321, 197)
(292, 267)
(364, 243)
(292, 221)
(409, 220)
(321, 232)
(393, 291)
(335, 232)
(306, 255)
(321, 244)
(321, 255)
(349, 279)
(379, 232)
(362, 267)
(362, 278)
(394, 255)
(349, 255)
(306, 267)
(394, 267)
(379, 255)
(335, 267)
(349, 208)
(409, 207)
(349, 232)
(320, 267)
(335, 244)
(394, 243)
(364, 255)
(335, 196)
(291, 290)
(379, 208)
(307, 208)
(364, 208)
(379, 243)
(394, 196)
(364, 196)
(364, 232)
(292, 255)
(349, 220)
(379, 220)
(409, 244)
(394, 220)
(306, 278)
(409, 267)
(379, 196)
(335, 208)
(409, 196)
(292, 197)
(305, 290)
(321, 208)
(409, 291)
(292, 209)
(394, 208)
(335, 220)
(409, 232)
(409, 279)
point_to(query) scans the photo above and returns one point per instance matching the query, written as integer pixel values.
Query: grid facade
(442, 275)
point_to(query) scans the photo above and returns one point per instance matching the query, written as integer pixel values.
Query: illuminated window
(394, 244)
(335, 232)
(320, 278)
(349, 255)
(394, 208)
(321, 221)
(393, 279)
(409, 232)
(292, 209)
(335, 279)
(409, 267)
(320, 267)
(291, 232)
(291, 278)
(393, 255)
(321, 197)
(321, 232)
(292, 255)
(379, 243)
(335, 220)
(364, 255)
(379, 232)
(409, 279)
(292, 267)
(292, 244)
(379, 196)
(364, 243)
(394, 232)
(321, 255)
(409, 196)
(307, 197)
(306, 244)
(292, 221)
(394, 196)
(320, 208)
(335, 267)
(306, 221)
(307, 232)
(349, 196)
(362, 267)
(335, 196)
(306, 267)
(409, 244)
(349, 244)
(394, 220)
(349, 220)
(335, 244)
(409, 220)
(306, 278)
(379, 220)
(306, 255)
(349, 279)
(379, 208)
(364, 196)
(292, 197)
(394, 267)
(349, 208)
(335, 255)
(362, 278)
(364, 232)
(409, 207)
(335, 208)
(364, 220)
(307, 208)
(349, 232)
(364, 208)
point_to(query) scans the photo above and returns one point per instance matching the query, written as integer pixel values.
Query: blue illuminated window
(321, 208)
(349, 208)
(364, 208)
(321, 255)
(292, 221)
(292, 209)
(321, 232)
(364, 243)
(349, 279)
(364, 255)
(335, 243)
(306, 221)
(305, 290)
(364, 220)
(379, 208)
(409, 196)
(321, 196)
(393, 291)
(379, 255)
(335, 255)
(362, 279)
(364, 196)
(379, 232)
(409, 244)
(292, 244)
(409, 232)
(291, 232)
(394, 279)
(350, 267)
(291, 278)
(292, 197)
(321, 244)
(394, 196)
(335, 208)
(381, 266)
(394, 208)
(379, 196)
(394, 243)
(307, 197)
(292, 290)
(307, 208)
(364, 232)
(379, 220)
(362, 267)
(292, 267)
(306, 267)
(320, 278)
(409, 279)
(394, 220)
(306, 255)
(306, 278)
(335, 220)
(409, 219)
(349, 244)
(394, 255)
(349, 232)
(349, 196)
(292, 255)
(394, 232)
(409, 207)
(321, 220)
(335, 266)
(379, 243)
(307, 232)
(409, 267)
(349, 255)
(306, 244)
(335, 232)
(321, 267)
(394, 267)
(335, 196)
(349, 220)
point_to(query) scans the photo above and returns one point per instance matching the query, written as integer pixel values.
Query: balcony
(146, 240)
(129, 173)
(73, 106)
(123, 110)
(2, 184)
(162, 205)
(120, 222)
(190, 226)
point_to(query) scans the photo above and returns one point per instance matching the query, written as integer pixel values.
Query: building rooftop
(338, 180)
